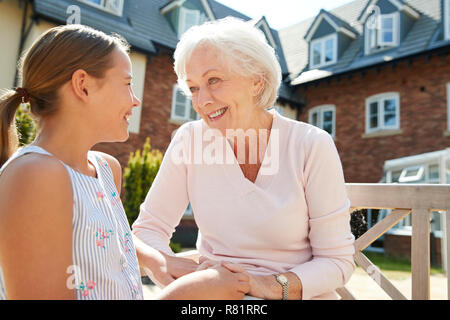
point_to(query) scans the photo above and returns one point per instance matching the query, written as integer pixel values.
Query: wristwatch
(281, 279)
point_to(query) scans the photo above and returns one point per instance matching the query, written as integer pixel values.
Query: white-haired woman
(279, 208)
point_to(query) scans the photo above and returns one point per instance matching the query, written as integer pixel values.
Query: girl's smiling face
(223, 98)
(115, 99)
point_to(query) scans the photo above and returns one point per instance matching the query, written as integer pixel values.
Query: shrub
(26, 127)
(138, 178)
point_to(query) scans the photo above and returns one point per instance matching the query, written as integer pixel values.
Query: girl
(63, 229)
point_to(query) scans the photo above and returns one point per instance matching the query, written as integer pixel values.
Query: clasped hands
(207, 279)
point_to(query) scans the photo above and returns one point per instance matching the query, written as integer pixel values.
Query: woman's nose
(203, 97)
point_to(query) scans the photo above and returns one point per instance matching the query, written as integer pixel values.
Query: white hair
(244, 47)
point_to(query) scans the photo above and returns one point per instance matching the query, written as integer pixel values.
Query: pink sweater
(295, 217)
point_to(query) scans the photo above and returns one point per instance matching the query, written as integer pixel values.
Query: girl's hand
(164, 269)
(205, 263)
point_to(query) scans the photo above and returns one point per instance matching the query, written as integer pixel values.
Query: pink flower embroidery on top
(100, 195)
(126, 242)
(101, 236)
(85, 289)
(115, 197)
(102, 162)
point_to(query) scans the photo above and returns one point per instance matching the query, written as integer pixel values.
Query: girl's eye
(193, 89)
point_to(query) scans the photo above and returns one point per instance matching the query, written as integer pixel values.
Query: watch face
(282, 279)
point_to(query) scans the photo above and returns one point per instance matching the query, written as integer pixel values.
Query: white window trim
(182, 19)
(187, 107)
(448, 106)
(103, 7)
(447, 19)
(383, 45)
(419, 175)
(380, 98)
(395, 30)
(320, 110)
(322, 56)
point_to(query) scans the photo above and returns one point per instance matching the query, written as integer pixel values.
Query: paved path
(364, 288)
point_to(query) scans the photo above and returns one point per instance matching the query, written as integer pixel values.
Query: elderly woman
(282, 215)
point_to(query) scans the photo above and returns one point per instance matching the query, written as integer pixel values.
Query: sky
(282, 13)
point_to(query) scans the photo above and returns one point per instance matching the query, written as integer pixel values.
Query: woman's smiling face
(223, 98)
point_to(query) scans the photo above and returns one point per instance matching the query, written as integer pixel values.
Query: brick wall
(400, 246)
(423, 114)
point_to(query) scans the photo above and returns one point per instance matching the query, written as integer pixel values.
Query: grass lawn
(395, 267)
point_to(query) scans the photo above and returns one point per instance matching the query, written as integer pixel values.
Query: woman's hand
(258, 284)
(215, 283)
(266, 287)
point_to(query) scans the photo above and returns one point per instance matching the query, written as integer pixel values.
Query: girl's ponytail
(49, 64)
(9, 103)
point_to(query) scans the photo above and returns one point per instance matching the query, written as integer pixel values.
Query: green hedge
(26, 127)
(138, 177)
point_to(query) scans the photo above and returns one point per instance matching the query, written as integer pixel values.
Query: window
(383, 112)
(111, 6)
(412, 174)
(189, 18)
(382, 34)
(447, 19)
(182, 109)
(324, 117)
(433, 173)
(323, 51)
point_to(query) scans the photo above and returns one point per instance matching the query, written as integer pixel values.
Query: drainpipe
(23, 36)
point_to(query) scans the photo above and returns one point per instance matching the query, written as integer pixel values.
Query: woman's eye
(213, 80)
(193, 89)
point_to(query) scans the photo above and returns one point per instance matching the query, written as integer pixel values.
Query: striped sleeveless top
(105, 264)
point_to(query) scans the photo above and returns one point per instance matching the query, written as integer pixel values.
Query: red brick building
(375, 75)
(421, 84)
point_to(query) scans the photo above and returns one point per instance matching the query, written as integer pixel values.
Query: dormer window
(112, 6)
(323, 51)
(383, 33)
(187, 18)
(328, 37)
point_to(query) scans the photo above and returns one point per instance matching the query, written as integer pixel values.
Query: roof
(422, 37)
(336, 21)
(142, 23)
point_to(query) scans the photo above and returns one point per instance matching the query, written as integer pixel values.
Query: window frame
(182, 19)
(320, 110)
(395, 27)
(323, 40)
(381, 45)
(446, 19)
(448, 106)
(187, 107)
(103, 7)
(380, 112)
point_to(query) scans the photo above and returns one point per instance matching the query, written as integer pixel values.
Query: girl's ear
(80, 84)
